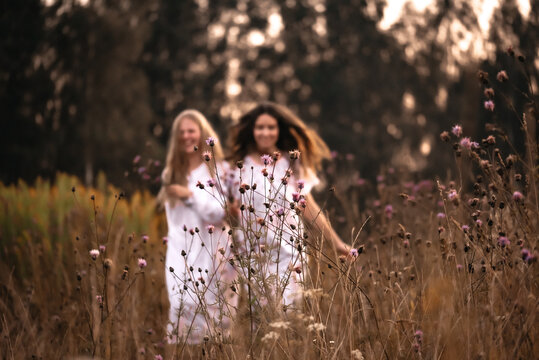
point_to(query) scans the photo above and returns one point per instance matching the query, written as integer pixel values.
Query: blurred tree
(86, 85)
(90, 109)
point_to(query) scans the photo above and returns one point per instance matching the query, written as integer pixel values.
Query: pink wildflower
(94, 253)
(457, 130)
(142, 263)
(466, 143)
(266, 159)
(489, 105)
(503, 241)
(517, 196)
(388, 211)
(452, 194)
(211, 141)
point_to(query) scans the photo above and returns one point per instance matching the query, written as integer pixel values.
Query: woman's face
(266, 133)
(188, 135)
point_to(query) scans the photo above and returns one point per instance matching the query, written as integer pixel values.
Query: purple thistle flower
(478, 222)
(457, 130)
(440, 215)
(211, 183)
(525, 253)
(158, 357)
(210, 229)
(211, 141)
(102, 248)
(489, 105)
(145, 238)
(99, 299)
(465, 228)
(503, 241)
(354, 253)
(388, 211)
(295, 196)
(302, 202)
(141, 170)
(466, 143)
(517, 196)
(459, 267)
(142, 263)
(206, 155)
(136, 159)
(301, 184)
(419, 336)
(452, 194)
(94, 253)
(165, 240)
(280, 212)
(266, 159)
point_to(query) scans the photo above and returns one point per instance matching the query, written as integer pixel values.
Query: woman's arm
(178, 191)
(313, 215)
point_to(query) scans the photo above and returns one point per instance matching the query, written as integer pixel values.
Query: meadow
(445, 268)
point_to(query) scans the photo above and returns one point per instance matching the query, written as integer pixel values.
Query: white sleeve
(311, 180)
(207, 203)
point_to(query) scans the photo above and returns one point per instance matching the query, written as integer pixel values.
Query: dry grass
(447, 271)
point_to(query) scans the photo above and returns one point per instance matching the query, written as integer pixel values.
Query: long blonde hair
(175, 171)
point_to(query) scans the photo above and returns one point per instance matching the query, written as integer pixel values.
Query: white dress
(200, 304)
(271, 228)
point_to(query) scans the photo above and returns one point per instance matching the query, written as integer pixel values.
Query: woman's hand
(233, 208)
(178, 191)
(314, 214)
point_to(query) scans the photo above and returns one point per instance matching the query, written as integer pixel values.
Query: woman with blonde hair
(278, 156)
(196, 270)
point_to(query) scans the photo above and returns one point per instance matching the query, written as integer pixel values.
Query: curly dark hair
(293, 134)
